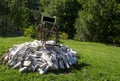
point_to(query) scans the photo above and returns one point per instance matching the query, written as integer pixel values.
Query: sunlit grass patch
(96, 62)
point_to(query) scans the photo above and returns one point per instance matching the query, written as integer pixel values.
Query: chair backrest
(46, 19)
(46, 31)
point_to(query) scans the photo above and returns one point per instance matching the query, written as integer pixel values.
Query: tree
(32, 10)
(13, 16)
(97, 21)
(68, 16)
(66, 12)
(3, 16)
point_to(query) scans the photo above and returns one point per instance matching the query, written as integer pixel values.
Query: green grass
(97, 62)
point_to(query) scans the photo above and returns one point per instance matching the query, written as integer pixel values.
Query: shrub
(29, 32)
(63, 35)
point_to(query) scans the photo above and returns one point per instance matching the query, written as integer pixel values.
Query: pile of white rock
(32, 56)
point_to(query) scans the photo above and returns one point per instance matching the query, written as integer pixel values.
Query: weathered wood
(17, 65)
(26, 63)
(61, 64)
(32, 56)
(22, 69)
(66, 62)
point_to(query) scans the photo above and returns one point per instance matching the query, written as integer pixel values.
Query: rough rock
(32, 56)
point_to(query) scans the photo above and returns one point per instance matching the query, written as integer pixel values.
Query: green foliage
(12, 18)
(67, 15)
(63, 35)
(84, 20)
(97, 62)
(33, 11)
(98, 21)
(29, 32)
(16, 14)
(66, 12)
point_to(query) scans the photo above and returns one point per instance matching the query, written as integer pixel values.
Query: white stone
(66, 62)
(26, 63)
(17, 65)
(22, 69)
(43, 70)
(32, 56)
(61, 64)
(6, 58)
(51, 42)
(12, 63)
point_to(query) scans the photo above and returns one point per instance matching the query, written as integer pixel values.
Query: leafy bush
(98, 22)
(29, 32)
(63, 35)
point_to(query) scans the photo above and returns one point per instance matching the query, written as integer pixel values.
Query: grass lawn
(97, 62)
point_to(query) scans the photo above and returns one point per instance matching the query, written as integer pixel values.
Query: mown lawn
(97, 62)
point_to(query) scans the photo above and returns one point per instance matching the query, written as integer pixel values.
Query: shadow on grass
(77, 67)
(80, 66)
(73, 69)
(116, 45)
